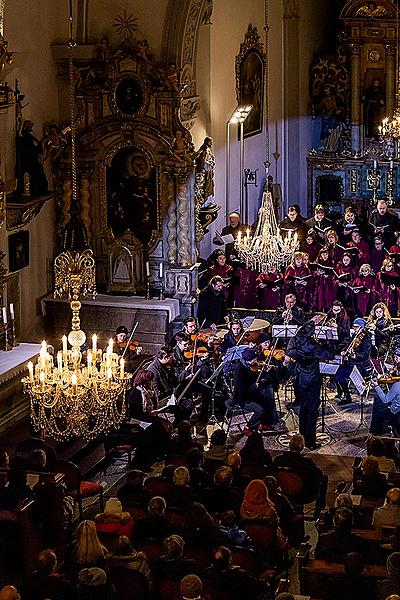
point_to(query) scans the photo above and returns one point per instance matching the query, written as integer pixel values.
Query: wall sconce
(238, 116)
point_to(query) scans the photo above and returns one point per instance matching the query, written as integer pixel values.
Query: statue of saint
(373, 102)
(331, 110)
(205, 170)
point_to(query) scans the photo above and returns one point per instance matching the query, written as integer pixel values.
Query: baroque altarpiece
(352, 91)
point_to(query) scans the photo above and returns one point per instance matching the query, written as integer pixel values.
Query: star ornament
(125, 24)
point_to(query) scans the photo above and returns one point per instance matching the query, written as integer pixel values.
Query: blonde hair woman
(88, 550)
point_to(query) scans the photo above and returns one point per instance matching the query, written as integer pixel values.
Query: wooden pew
(20, 540)
(316, 575)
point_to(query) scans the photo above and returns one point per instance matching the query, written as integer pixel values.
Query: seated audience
(180, 495)
(334, 546)
(191, 588)
(114, 519)
(253, 451)
(87, 549)
(132, 491)
(172, 563)
(229, 528)
(291, 523)
(125, 557)
(182, 441)
(234, 461)
(155, 525)
(93, 585)
(199, 478)
(199, 527)
(376, 448)
(232, 579)
(391, 585)
(373, 483)
(46, 581)
(345, 501)
(217, 449)
(388, 515)
(352, 585)
(222, 496)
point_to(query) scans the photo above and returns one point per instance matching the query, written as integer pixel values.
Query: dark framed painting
(250, 80)
(18, 251)
(129, 96)
(131, 187)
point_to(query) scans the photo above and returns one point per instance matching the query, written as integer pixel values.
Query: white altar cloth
(171, 305)
(17, 357)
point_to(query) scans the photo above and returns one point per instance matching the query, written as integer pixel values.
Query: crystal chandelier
(391, 128)
(76, 397)
(266, 251)
(83, 395)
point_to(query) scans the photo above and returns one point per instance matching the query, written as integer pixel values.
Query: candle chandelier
(266, 250)
(83, 395)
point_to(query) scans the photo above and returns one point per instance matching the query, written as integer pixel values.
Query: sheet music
(358, 381)
(170, 402)
(284, 331)
(142, 424)
(328, 368)
(226, 239)
(324, 332)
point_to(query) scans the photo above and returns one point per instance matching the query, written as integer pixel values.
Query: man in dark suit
(384, 223)
(334, 545)
(319, 224)
(211, 309)
(316, 481)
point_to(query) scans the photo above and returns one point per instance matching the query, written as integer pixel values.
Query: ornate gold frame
(113, 101)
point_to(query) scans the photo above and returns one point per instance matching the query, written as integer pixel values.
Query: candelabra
(266, 250)
(391, 127)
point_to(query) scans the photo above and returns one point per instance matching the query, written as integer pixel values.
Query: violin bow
(130, 337)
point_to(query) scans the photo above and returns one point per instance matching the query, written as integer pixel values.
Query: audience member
(132, 491)
(125, 557)
(199, 526)
(217, 449)
(46, 581)
(229, 528)
(376, 448)
(114, 519)
(222, 496)
(373, 483)
(352, 585)
(9, 592)
(388, 515)
(191, 587)
(93, 585)
(253, 451)
(199, 478)
(346, 501)
(172, 563)
(391, 585)
(180, 495)
(334, 546)
(155, 525)
(87, 549)
(292, 524)
(232, 579)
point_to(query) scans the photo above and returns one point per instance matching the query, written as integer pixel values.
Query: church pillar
(355, 98)
(183, 223)
(390, 72)
(172, 248)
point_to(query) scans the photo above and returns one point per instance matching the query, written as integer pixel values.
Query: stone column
(355, 98)
(171, 224)
(390, 80)
(183, 224)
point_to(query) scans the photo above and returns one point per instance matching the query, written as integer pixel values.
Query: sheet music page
(358, 381)
(328, 368)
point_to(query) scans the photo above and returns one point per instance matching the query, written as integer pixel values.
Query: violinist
(267, 353)
(123, 346)
(234, 335)
(382, 323)
(182, 352)
(386, 407)
(357, 354)
(190, 328)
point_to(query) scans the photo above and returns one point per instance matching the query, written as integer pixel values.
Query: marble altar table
(14, 406)
(103, 315)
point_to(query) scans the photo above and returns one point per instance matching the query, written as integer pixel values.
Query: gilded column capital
(355, 49)
(390, 49)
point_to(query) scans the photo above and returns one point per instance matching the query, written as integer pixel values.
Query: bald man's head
(9, 592)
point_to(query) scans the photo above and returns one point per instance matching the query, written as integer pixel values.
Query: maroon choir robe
(376, 258)
(342, 291)
(245, 289)
(362, 301)
(269, 298)
(302, 292)
(324, 291)
(335, 253)
(363, 252)
(311, 249)
(384, 293)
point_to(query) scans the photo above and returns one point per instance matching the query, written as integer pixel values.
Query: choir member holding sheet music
(319, 224)
(270, 286)
(386, 286)
(334, 249)
(344, 272)
(362, 247)
(377, 254)
(382, 222)
(293, 222)
(347, 225)
(310, 246)
(325, 284)
(298, 279)
(362, 289)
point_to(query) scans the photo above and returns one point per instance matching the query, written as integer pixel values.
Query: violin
(200, 352)
(132, 345)
(258, 366)
(388, 379)
(277, 354)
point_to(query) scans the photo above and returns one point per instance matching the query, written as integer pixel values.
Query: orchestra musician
(307, 352)
(386, 407)
(357, 354)
(234, 335)
(337, 317)
(190, 328)
(126, 347)
(290, 314)
(211, 309)
(248, 394)
(382, 323)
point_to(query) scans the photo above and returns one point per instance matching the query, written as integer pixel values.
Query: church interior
(200, 299)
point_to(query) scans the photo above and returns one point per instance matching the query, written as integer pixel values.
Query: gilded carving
(372, 11)
(85, 205)
(171, 223)
(184, 256)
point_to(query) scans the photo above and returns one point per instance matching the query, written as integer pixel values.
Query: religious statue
(32, 180)
(332, 112)
(5, 54)
(373, 102)
(205, 169)
(372, 10)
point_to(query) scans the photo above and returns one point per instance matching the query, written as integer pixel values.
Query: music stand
(324, 332)
(284, 331)
(363, 393)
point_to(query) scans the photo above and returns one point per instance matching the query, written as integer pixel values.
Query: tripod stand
(362, 423)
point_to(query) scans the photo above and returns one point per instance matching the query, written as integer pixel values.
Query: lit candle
(4, 311)
(375, 165)
(380, 128)
(248, 232)
(121, 368)
(12, 311)
(160, 270)
(41, 379)
(59, 361)
(94, 344)
(109, 377)
(89, 361)
(64, 344)
(147, 268)
(30, 370)
(239, 238)
(74, 382)
(391, 165)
